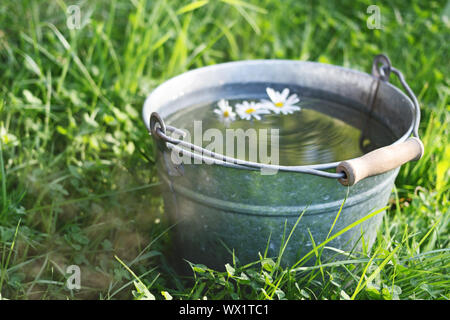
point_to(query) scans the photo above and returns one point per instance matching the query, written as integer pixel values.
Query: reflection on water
(313, 135)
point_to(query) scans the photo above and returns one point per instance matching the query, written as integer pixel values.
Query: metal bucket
(228, 208)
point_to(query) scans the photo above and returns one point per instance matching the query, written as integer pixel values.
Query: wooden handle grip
(380, 160)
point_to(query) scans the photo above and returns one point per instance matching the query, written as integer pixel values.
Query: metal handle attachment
(390, 157)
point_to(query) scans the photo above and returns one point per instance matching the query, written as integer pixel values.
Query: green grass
(78, 183)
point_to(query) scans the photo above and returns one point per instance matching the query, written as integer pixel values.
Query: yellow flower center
(226, 114)
(250, 110)
(279, 104)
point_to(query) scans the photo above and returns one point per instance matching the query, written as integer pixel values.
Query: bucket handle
(348, 172)
(389, 157)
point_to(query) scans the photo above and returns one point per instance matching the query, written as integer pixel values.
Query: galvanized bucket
(230, 208)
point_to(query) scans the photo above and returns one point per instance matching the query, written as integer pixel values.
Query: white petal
(284, 94)
(292, 99)
(258, 105)
(267, 104)
(223, 104)
(242, 115)
(290, 109)
(277, 110)
(241, 107)
(273, 95)
(264, 102)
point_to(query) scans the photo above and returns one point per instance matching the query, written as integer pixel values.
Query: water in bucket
(323, 131)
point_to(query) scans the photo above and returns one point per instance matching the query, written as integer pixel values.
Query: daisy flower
(246, 110)
(224, 111)
(281, 102)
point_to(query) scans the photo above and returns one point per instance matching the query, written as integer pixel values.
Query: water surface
(321, 132)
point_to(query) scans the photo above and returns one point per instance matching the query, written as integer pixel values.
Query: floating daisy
(247, 110)
(281, 102)
(225, 112)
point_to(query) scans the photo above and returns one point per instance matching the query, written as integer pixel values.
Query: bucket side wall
(207, 234)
